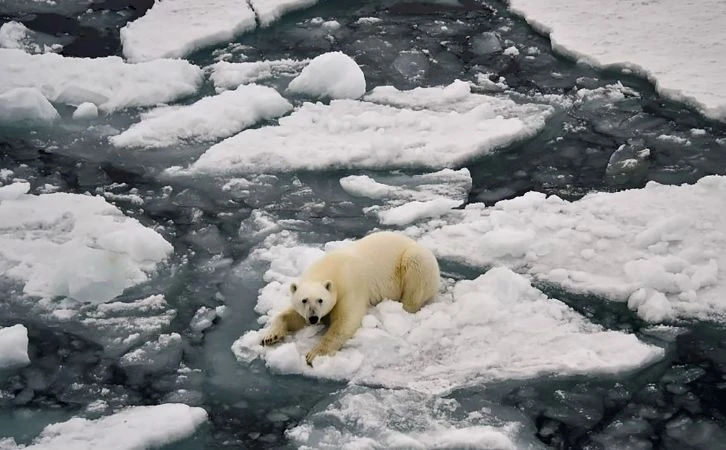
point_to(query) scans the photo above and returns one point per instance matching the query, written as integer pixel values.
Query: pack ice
(73, 245)
(659, 248)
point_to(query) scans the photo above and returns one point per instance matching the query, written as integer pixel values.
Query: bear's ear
(329, 285)
(293, 288)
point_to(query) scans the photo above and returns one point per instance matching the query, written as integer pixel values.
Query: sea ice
(405, 199)
(210, 118)
(109, 82)
(687, 69)
(39, 234)
(658, 248)
(391, 128)
(494, 327)
(175, 28)
(400, 418)
(134, 428)
(227, 75)
(330, 75)
(268, 11)
(26, 105)
(85, 110)
(13, 347)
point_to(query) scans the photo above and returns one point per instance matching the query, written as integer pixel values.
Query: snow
(176, 28)
(210, 118)
(679, 51)
(330, 75)
(492, 328)
(390, 129)
(410, 198)
(227, 75)
(386, 418)
(657, 248)
(85, 110)
(39, 234)
(26, 104)
(13, 346)
(134, 428)
(109, 82)
(269, 11)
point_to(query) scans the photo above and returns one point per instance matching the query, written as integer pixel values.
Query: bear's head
(313, 300)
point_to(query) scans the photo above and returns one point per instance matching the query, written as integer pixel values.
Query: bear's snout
(313, 320)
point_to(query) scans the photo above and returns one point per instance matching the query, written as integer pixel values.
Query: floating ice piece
(40, 234)
(133, 428)
(15, 35)
(26, 105)
(330, 75)
(428, 127)
(494, 327)
(409, 198)
(269, 11)
(210, 118)
(175, 28)
(384, 418)
(13, 347)
(227, 75)
(687, 69)
(109, 82)
(85, 111)
(659, 248)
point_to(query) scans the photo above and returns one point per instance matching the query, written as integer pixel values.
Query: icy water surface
(215, 225)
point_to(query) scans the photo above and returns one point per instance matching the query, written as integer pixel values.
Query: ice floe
(400, 418)
(13, 347)
(330, 75)
(404, 199)
(228, 75)
(133, 428)
(494, 327)
(109, 82)
(269, 11)
(210, 118)
(688, 68)
(41, 234)
(659, 248)
(16, 35)
(22, 105)
(391, 128)
(175, 28)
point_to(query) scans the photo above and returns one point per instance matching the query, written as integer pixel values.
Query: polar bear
(342, 285)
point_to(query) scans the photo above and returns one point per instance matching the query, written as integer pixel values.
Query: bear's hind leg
(420, 278)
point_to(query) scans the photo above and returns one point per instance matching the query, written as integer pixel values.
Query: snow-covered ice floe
(41, 234)
(405, 199)
(330, 75)
(428, 127)
(134, 428)
(109, 82)
(227, 75)
(175, 28)
(494, 327)
(26, 105)
(400, 418)
(13, 347)
(659, 248)
(269, 11)
(210, 118)
(681, 52)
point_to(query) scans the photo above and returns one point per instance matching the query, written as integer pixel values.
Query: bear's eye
(304, 301)
(320, 300)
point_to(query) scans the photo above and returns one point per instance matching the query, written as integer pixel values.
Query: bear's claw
(272, 339)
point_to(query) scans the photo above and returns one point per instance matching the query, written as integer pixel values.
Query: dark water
(677, 403)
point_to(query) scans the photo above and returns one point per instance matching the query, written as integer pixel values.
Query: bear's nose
(313, 319)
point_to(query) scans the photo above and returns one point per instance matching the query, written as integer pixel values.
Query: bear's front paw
(312, 354)
(272, 338)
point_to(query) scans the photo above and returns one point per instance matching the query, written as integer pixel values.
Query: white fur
(345, 282)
